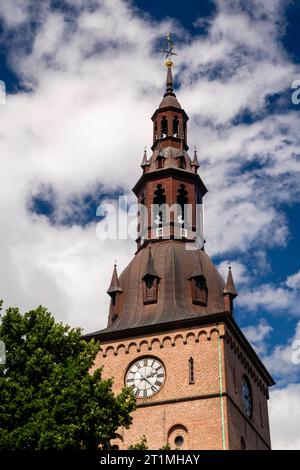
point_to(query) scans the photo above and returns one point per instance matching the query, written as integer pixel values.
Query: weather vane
(169, 48)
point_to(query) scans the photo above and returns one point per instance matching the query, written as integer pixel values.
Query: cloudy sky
(83, 78)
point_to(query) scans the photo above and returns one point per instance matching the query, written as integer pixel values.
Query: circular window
(178, 441)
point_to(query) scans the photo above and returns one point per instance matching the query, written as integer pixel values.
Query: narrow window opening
(191, 371)
(175, 126)
(182, 200)
(164, 127)
(159, 200)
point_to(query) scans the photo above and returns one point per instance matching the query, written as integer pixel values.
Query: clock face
(146, 376)
(247, 396)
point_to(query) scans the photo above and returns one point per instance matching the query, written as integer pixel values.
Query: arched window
(247, 396)
(175, 126)
(191, 371)
(164, 127)
(182, 200)
(178, 437)
(159, 200)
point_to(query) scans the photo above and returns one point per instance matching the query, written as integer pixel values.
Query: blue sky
(83, 79)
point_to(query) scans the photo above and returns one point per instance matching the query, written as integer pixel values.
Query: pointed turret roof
(149, 268)
(145, 160)
(195, 161)
(169, 98)
(114, 283)
(230, 287)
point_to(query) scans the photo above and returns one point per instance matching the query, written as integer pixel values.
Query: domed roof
(174, 265)
(169, 99)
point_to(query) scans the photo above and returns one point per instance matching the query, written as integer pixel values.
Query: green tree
(48, 397)
(142, 445)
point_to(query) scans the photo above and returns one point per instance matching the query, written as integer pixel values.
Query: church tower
(171, 333)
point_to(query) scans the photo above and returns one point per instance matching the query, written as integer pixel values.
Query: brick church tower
(171, 334)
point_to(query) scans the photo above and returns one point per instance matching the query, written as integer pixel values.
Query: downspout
(221, 393)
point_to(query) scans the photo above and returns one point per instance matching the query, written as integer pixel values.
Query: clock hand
(146, 380)
(151, 375)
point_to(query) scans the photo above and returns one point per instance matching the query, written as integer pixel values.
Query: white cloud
(273, 298)
(258, 334)
(284, 411)
(280, 361)
(14, 12)
(293, 281)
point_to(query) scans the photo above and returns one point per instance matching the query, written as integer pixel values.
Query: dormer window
(164, 127)
(150, 280)
(199, 290)
(150, 289)
(160, 161)
(181, 162)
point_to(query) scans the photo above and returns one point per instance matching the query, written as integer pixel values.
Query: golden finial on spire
(169, 51)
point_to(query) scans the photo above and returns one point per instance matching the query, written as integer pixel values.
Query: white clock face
(247, 396)
(146, 376)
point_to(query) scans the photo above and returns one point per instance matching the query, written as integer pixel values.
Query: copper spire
(114, 283)
(145, 159)
(230, 287)
(169, 81)
(195, 161)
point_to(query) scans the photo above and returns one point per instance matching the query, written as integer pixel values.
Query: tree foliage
(49, 399)
(142, 445)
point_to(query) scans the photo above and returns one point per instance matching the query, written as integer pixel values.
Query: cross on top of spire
(169, 50)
